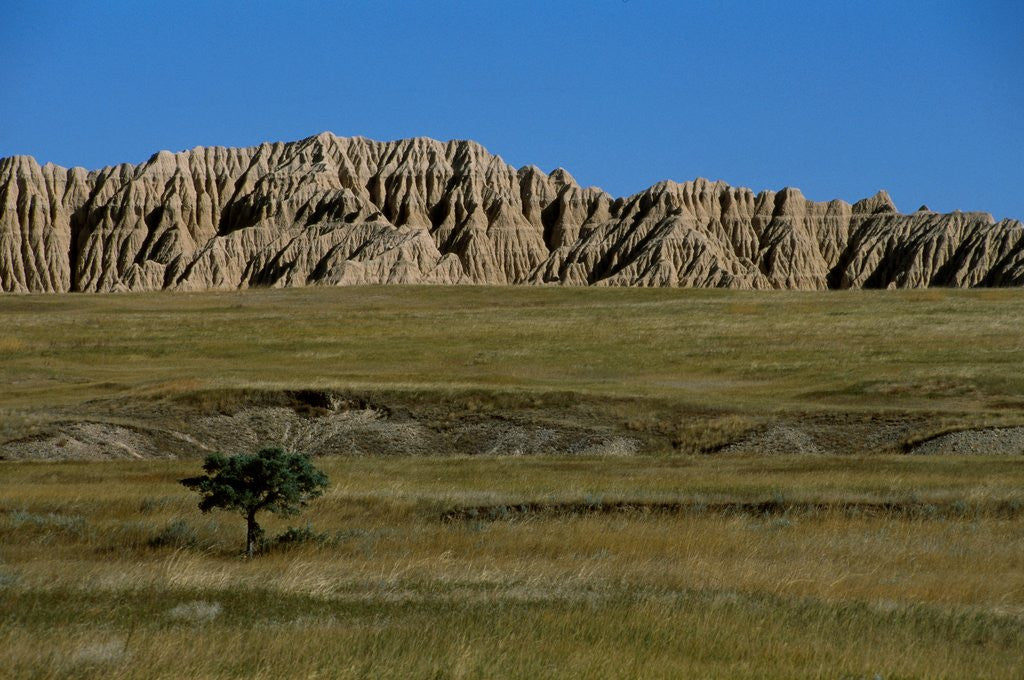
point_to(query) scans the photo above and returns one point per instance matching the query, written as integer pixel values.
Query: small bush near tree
(271, 480)
(177, 534)
(294, 536)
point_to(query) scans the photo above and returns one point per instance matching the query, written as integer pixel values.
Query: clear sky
(925, 99)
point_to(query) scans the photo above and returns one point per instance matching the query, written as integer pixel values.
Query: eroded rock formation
(338, 211)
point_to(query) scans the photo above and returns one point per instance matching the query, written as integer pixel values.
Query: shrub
(177, 534)
(294, 536)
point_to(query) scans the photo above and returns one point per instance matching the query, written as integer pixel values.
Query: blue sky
(925, 99)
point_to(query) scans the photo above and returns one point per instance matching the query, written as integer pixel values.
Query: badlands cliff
(338, 211)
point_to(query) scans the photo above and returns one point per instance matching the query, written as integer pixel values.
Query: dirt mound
(354, 432)
(87, 441)
(325, 423)
(776, 439)
(318, 423)
(832, 433)
(992, 440)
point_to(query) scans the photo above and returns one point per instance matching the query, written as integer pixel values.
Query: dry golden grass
(393, 591)
(951, 351)
(108, 570)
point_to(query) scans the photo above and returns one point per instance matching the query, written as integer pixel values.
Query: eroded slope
(339, 211)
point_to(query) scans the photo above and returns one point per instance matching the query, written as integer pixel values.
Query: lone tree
(273, 480)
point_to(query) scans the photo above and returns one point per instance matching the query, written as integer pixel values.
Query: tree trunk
(252, 534)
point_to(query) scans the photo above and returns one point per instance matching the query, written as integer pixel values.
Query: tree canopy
(272, 480)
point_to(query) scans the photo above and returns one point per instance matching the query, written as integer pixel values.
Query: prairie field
(950, 351)
(109, 570)
(662, 547)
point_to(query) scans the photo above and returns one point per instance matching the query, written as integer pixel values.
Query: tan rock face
(341, 211)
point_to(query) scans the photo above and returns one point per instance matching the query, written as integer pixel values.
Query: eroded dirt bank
(394, 423)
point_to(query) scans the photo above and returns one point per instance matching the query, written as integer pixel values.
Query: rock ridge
(330, 210)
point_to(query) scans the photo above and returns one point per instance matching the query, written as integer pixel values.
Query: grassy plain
(898, 566)
(108, 570)
(947, 350)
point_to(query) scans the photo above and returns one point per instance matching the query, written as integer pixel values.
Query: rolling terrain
(525, 482)
(434, 370)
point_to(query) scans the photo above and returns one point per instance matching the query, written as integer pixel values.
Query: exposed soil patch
(992, 440)
(359, 431)
(320, 423)
(90, 441)
(323, 423)
(776, 439)
(829, 433)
